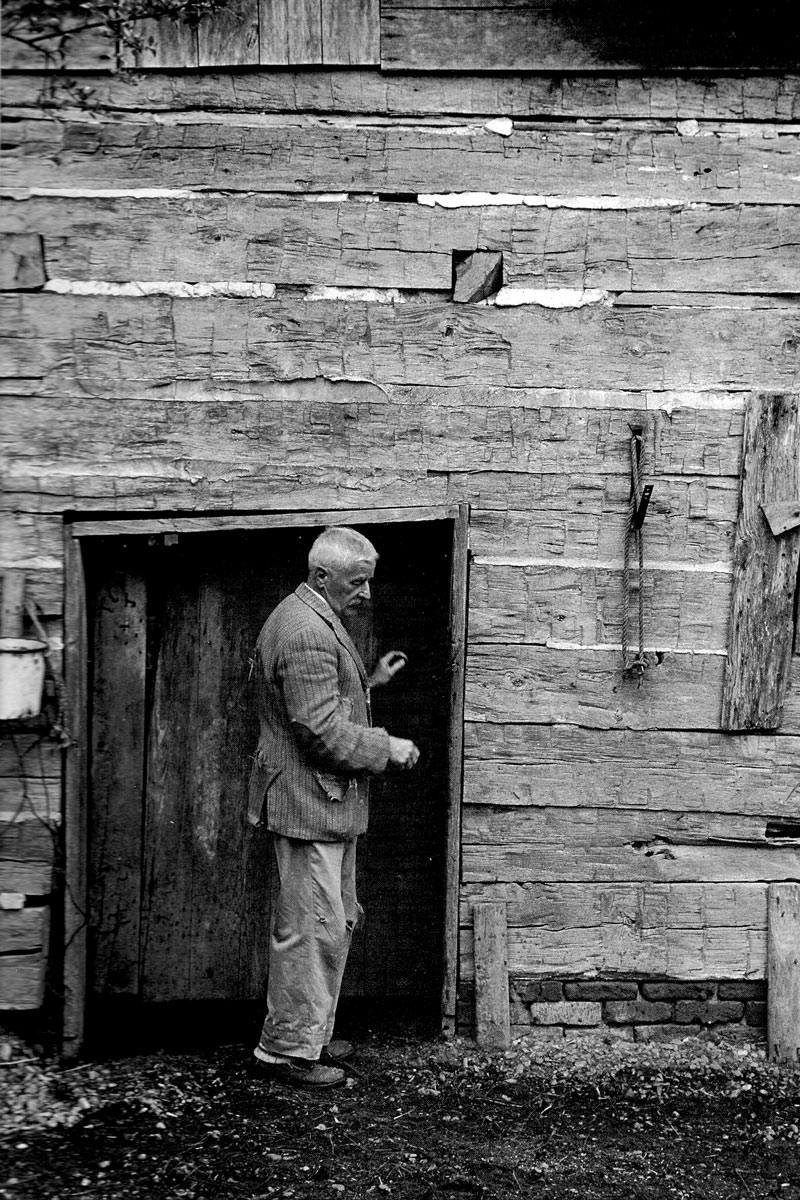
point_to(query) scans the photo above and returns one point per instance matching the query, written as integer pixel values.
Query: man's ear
(319, 575)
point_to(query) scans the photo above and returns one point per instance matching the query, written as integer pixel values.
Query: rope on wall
(634, 548)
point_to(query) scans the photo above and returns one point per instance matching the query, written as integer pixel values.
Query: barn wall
(234, 292)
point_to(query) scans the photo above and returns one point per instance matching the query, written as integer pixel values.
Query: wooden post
(765, 567)
(783, 972)
(13, 607)
(455, 763)
(492, 1015)
(75, 793)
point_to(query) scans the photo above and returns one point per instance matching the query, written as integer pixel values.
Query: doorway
(178, 884)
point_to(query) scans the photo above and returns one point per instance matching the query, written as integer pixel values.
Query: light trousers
(313, 919)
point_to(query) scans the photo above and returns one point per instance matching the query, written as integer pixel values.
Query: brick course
(742, 989)
(591, 990)
(566, 1013)
(636, 1012)
(672, 990)
(711, 1012)
(623, 1009)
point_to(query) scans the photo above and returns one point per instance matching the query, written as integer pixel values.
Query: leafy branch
(47, 27)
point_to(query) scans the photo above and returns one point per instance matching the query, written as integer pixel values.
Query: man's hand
(387, 667)
(402, 753)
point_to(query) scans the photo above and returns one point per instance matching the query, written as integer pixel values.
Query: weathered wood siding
(203, 343)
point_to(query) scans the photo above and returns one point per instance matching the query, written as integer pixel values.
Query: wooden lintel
(114, 526)
(782, 516)
(783, 972)
(492, 1009)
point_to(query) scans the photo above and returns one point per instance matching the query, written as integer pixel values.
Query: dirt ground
(419, 1119)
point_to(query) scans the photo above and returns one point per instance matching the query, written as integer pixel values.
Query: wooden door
(179, 884)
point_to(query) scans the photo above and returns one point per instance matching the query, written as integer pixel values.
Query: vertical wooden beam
(230, 37)
(783, 972)
(13, 604)
(290, 32)
(492, 1013)
(351, 34)
(165, 43)
(75, 797)
(459, 571)
(765, 569)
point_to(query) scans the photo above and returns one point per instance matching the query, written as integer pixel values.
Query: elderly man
(310, 782)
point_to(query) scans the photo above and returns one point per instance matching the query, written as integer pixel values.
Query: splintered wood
(765, 569)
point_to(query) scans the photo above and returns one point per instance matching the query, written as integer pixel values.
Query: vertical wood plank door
(179, 887)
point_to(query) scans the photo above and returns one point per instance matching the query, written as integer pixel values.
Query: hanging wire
(634, 544)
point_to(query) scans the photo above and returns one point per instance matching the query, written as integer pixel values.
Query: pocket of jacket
(335, 787)
(262, 777)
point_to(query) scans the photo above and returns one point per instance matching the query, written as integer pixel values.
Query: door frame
(76, 781)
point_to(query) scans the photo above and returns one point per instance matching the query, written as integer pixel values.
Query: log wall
(234, 293)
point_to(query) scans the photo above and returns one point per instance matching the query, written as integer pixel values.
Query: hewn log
(653, 908)
(762, 610)
(644, 830)
(23, 930)
(99, 340)
(706, 97)
(684, 609)
(518, 517)
(248, 490)
(534, 845)
(677, 771)
(625, 951)
(32, 755)
(24, 797)
(22, 980)
(352, 424)
(681, 930)
(407, 245)
(27, 854)
(783, 970)
(585, 687)
(305, 156)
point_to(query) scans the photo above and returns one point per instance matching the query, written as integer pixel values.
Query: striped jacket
(316, 750)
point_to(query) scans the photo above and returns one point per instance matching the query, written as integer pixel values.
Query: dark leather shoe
(302, 1073)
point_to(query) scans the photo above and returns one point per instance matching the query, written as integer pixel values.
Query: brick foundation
(631, 1010)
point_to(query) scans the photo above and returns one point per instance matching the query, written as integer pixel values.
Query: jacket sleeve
(308, 674)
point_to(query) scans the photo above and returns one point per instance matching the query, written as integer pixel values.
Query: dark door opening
(179, 884)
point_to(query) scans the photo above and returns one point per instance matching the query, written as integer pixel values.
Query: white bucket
(21, 677)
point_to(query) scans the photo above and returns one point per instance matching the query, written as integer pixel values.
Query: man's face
(346, 589)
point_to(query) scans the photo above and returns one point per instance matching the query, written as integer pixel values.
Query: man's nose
(364, 592)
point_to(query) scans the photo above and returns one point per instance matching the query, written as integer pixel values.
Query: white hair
(338, 547)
